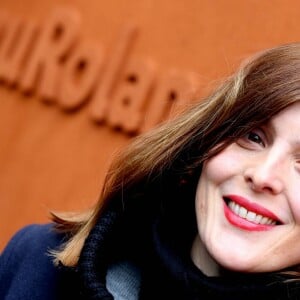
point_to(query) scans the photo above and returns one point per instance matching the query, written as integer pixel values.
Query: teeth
(250, 215)
(243, 212)
(258, 219)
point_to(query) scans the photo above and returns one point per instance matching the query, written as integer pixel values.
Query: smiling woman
(203, 207)
(255, 184)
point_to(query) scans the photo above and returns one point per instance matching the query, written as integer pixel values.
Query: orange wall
(54, 160)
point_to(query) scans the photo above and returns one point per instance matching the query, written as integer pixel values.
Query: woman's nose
(266, 175)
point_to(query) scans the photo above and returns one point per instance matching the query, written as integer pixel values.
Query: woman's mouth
(249, 216)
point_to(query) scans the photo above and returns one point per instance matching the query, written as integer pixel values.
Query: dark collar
(181, 279)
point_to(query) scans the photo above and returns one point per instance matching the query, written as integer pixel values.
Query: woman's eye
(255, 137)
(252, 140)
(297, 161)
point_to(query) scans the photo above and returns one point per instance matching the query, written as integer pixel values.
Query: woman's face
(248, 199)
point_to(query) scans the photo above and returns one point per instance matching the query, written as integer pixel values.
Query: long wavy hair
(262, 86)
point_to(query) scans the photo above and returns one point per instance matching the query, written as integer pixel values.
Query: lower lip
(243, 223)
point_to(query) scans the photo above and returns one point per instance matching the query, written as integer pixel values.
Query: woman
(204, 207)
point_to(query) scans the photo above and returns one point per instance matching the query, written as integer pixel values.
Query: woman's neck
(203, 260)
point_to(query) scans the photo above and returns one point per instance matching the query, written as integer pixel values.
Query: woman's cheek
(295, 201)
(222, 165)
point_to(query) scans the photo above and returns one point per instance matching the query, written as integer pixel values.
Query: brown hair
(263, 86)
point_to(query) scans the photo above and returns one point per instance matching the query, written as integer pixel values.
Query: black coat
(27, 272)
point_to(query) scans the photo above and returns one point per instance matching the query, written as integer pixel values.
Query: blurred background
(80, 79)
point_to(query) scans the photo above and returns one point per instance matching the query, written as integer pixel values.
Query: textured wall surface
(53, 155)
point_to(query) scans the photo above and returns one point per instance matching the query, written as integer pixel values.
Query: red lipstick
(253, 207)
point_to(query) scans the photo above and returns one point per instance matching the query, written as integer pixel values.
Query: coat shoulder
(26, 267)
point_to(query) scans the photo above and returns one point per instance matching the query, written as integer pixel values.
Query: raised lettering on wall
(55, 62)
